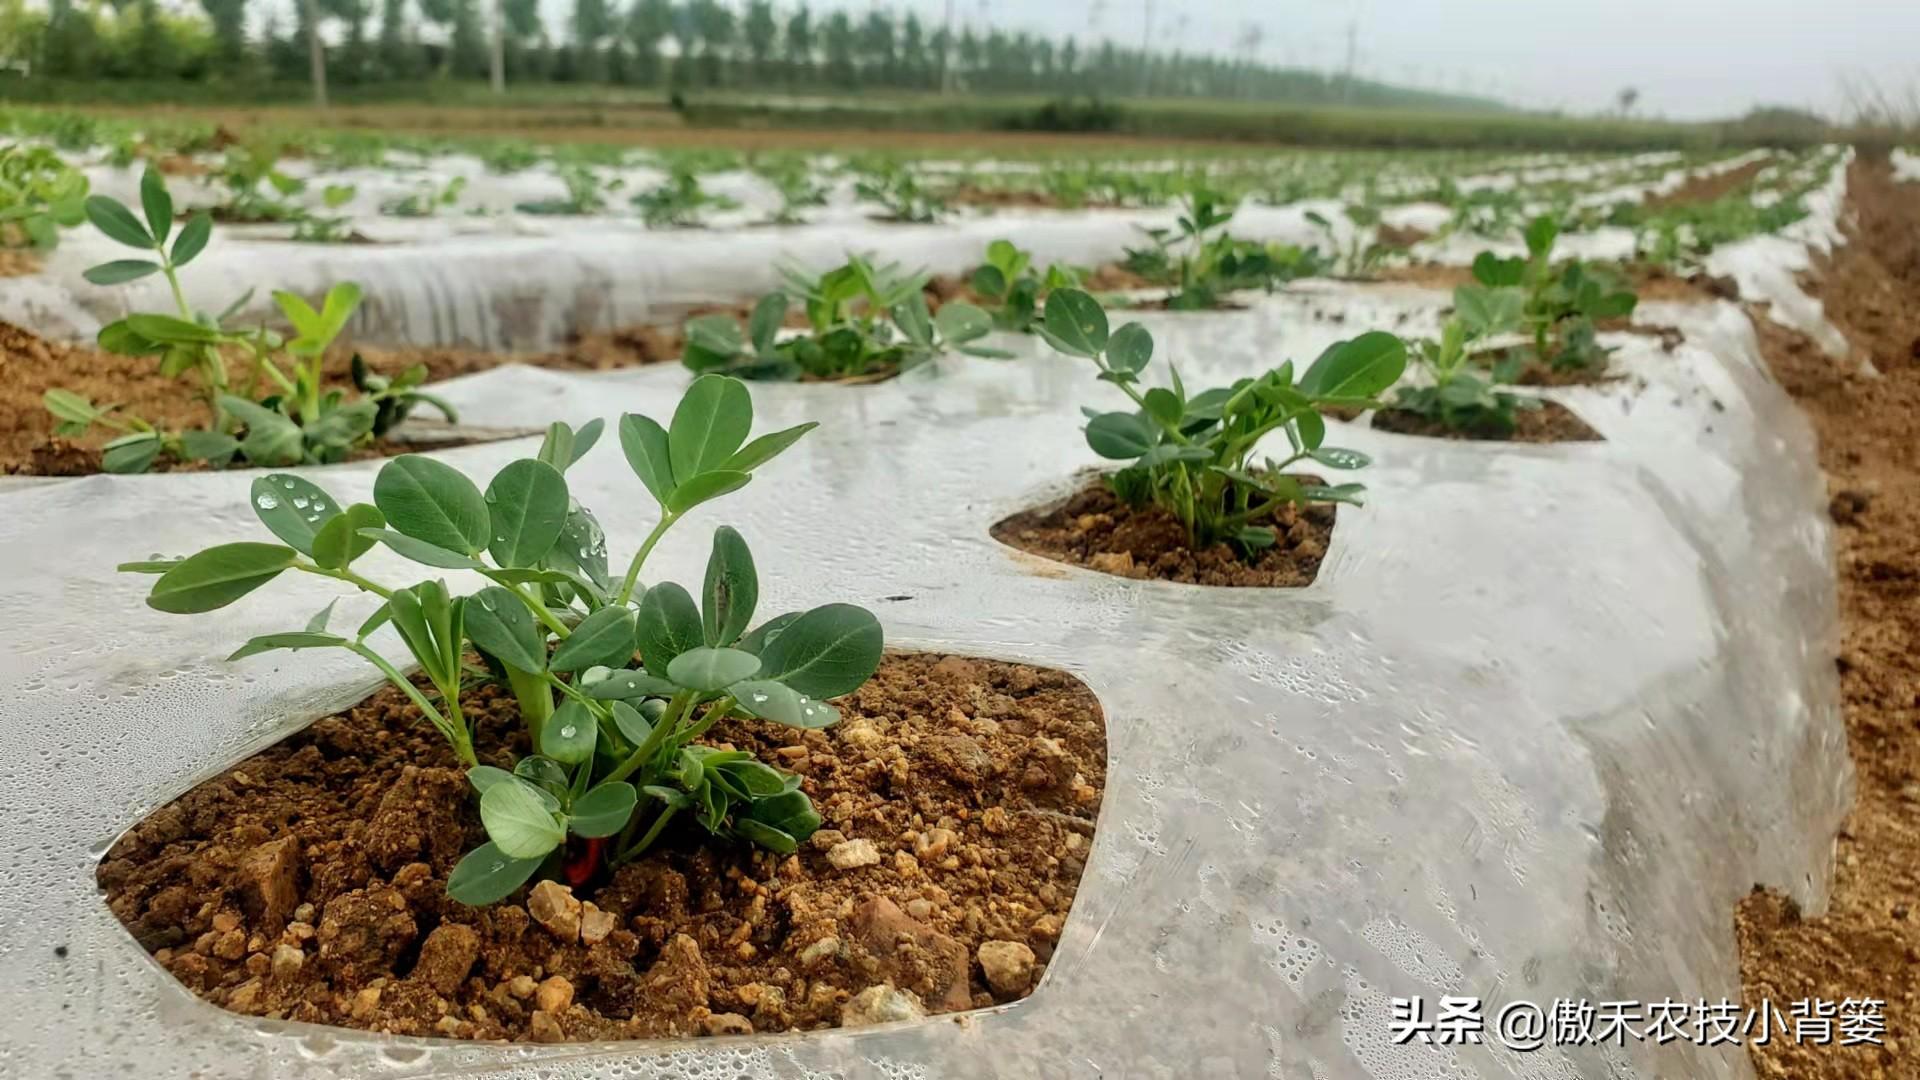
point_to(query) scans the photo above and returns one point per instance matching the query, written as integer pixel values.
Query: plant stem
(632, 851)
(646, 547)
(676, 709)
(547, 618)
(462, 744)
(714, 712)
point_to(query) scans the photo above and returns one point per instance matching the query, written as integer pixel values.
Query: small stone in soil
(819, 952)
(1008, 965)
(553, 906)
(554, 995)
(596, 925)
(853, 854)
(882, 1004)
(287, 961)
(726, 1024)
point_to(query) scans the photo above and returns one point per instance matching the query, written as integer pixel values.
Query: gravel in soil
(1095, 529)
(308, 882)
(1552, 422)
(1867, 944)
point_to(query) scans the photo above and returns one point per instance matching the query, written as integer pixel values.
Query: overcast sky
(1688, 58)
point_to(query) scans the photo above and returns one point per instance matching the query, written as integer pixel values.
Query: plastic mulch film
(1545, 715)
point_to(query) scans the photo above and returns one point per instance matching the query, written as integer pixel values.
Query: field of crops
(1230, 589)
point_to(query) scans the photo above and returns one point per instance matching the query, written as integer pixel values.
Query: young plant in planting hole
(864, 320)
(283, 413)
(899, 193)
(1202, 262)
(1193, 455)
(614, 741)
(1009, 281)
(678, 202)
(40, 194)
(1560, 305)
(1458, 398)
(1355, 256)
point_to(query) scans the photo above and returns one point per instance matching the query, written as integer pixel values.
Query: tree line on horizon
(685, 46)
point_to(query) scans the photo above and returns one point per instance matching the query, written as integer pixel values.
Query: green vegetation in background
(714, 47)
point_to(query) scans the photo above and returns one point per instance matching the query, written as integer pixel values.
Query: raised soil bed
(1094, 528)
(308, 882)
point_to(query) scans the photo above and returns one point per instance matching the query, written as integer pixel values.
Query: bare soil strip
(1867, 945)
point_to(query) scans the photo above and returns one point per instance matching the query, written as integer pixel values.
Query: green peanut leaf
(709, 670)
(710, 423)
(422, 552)
(669, 625)
(1119, 436)
(569, 734)
(791, 812)
(782, 704)
(120, 271)
(157, 204)
(293, 508)
(342, 538)
(1360, 368)
(1334, 457)
(603, 639)
(1075, 323)
(298, 639)
(603, 810)
(527, 503)
(732, 588)
(272, 439)
(487, 875)
(828, 651)
(502, 627)
(959, 323)
(112, 217)
(645, 444)
(705, 486)
(435, 503)
(633, 723)
(629, 684)
(763, 449)
(192, 239)
(519, 821)
(218, 576)
(130, 453)
(1129, 349)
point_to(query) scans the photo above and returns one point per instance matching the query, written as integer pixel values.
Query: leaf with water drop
(569, 734)
(488, 875)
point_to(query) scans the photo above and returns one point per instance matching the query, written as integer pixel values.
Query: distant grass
(626, 115)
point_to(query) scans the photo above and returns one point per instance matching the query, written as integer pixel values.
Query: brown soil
(309, 881)
(1551, 423)
(1396, 236)
(1867, 945)
(16, 262)
(1095, 529)
(1648, 282)
(30, 365)
(1702, 189)
(978, 195)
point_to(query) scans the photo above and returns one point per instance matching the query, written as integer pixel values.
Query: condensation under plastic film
(521, 282)
(1546, 714)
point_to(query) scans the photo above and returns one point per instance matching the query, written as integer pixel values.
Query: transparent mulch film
(1545, 715)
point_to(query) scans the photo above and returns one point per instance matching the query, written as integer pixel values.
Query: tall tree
(648, 22)
(800, 44)
(399, 54)
(228, 18)
(592, 23)
(760, 31)
(877, 63)
(840, 49)
(715, 24)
